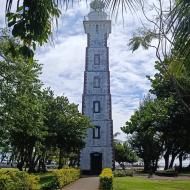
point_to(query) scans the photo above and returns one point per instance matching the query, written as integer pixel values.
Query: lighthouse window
(97, 28)
(96, 82)
(96, 132)
(96, 107)
(97, 59)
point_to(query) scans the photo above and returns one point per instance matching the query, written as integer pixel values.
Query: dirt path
(85, 183)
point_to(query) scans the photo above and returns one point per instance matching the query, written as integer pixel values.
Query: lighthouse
(96, 99)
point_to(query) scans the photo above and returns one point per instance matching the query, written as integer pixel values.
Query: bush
(123, 173)
(18, 180)
(183, 170)
(167, 173)
(66, 176)
(106, 179)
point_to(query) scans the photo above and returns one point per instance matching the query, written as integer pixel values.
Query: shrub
(18, 180)
(183, 170)
(66, 176)
(167, 173)
(123, 173)
(106, 179)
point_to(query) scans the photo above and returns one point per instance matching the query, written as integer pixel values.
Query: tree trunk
(147, 166)
(3, 156)
(60, 159)
(172, 160)
(31, 168)
(20, 165)
(166, 159)
(156, 165)
(42, 165)
(33, 163)
(180, 161)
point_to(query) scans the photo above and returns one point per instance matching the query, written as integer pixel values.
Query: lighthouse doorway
(96, 163)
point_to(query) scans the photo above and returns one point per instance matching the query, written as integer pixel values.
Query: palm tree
(115, 139)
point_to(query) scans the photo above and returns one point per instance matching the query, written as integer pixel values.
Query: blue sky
(64, 61)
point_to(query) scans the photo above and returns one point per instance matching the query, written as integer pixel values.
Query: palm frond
(179, 22)
(120, 6)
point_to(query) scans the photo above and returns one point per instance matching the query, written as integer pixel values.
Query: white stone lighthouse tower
(96, 102)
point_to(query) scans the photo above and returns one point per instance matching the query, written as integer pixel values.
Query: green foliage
(123, 173)
(106, 179)
(17, 180)
(142, 38)
(33, 123)
(124, 154)
(179, 23)
(160, 125)
(21, 110)
(47, 181)
(146, 128)
(66, 126)
(32, 22)
(66, 176)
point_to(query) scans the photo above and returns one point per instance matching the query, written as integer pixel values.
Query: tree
(66, 126)
(34, 122)
(20, 94)
(170, 31)
(145, 129)
(124, 154)
(160, 125)
(177, 132)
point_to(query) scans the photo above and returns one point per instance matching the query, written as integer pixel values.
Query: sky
(64, 61)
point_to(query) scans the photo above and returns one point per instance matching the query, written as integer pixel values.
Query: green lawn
(137, 183)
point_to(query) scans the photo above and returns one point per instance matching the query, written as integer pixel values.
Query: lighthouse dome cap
(97, 5)
(97, 11)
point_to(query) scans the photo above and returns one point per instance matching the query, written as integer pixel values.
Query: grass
(46, 180)
(137, 183)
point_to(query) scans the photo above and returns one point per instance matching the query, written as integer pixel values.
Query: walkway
(85, 183)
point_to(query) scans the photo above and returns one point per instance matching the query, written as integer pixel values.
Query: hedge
(66, 176)
(167, 173)
(106, 179)
(18, 180)
(123, 173)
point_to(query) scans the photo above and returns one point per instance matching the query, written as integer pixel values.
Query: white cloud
(63, 62)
